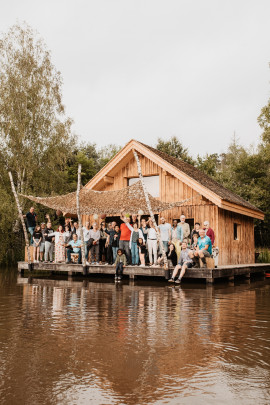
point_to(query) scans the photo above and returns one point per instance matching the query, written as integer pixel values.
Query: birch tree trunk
(150, 209)
(79, 214)
(21, 218)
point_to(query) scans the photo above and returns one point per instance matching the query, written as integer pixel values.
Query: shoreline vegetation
(40, 149)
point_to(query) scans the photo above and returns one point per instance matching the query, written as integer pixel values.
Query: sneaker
(171, 280)
(67, 262)
(87, 263)
(178, 281)
(142, 265)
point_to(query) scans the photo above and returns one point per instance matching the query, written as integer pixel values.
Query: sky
(197, 70)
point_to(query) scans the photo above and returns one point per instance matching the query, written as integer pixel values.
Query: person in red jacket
(209, 231)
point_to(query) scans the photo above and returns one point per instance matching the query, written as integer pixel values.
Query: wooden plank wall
(200, 209)
(171, 190)
(232, 251)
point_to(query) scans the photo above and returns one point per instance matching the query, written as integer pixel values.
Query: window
(151, 183)
(236, 231)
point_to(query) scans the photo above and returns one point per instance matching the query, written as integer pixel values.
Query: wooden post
(80, 218)
(22, 221)
(150, 209)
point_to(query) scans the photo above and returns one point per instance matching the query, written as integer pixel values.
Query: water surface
(81, 342)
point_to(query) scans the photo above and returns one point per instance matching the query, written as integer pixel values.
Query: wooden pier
(204, 274)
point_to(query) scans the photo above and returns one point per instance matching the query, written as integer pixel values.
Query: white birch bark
(79, 214)
(21, 217)
(150, 209)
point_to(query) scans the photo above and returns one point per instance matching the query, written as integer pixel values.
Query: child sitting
(120, 262)
(185, 262)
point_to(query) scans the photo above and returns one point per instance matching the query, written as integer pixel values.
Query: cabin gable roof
(188, 174)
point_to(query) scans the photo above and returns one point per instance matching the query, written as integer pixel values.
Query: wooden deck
(208, 275)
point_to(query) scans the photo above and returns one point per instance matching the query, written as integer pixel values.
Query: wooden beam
(108, 179)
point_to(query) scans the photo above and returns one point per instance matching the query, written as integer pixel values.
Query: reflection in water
(80, 342)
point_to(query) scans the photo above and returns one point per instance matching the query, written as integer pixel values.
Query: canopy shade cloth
(131, 199)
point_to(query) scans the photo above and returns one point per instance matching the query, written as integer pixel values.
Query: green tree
(175, 148)
(35, 135)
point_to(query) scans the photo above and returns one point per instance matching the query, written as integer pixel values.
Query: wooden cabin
(171, 180)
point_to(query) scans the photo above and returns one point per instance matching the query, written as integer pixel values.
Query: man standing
(48, 242)
(165, 233)
(185, 227)
(125, 237)
(74, 246)
(31, 220)
(177, 237)
(209, 231)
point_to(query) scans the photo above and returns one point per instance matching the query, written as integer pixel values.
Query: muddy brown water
(94, 342)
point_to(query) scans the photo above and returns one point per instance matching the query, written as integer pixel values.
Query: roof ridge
(207, 181)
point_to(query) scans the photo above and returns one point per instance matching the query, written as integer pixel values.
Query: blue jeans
(165, 244)
(31, 230)
(134, 253)
(114, 249)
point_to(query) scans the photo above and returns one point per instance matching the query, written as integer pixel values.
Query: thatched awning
(130, 199)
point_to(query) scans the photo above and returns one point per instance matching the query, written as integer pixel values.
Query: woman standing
(136, 233)
(37, 238)
(59, 245)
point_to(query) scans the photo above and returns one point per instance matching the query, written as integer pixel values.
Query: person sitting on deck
(120, 262)
(74, 246)
(209, 231)
(203, 250)
(185, 262)
(171, 256)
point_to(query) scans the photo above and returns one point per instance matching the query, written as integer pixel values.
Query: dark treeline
(40, 149)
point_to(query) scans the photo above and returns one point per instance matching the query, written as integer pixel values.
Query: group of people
(134, 242)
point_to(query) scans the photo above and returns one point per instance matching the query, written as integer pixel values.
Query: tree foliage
(35, 135)
(175, 148)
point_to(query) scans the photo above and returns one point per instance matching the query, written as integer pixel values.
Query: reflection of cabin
(171, 180)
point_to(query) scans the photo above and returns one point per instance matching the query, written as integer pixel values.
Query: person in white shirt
(86, 237)
(152, 243)
(165, 233)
